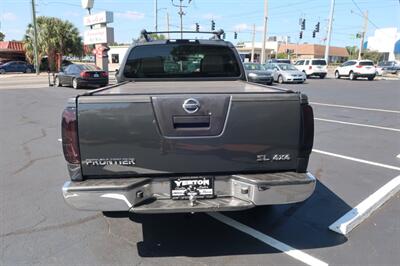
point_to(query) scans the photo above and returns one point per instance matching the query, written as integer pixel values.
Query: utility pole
(181, 13)
(156, 15)
(328, 42)
(264, 31)
(252, 44)
(168, 26)
(363, 34)
(35, 46)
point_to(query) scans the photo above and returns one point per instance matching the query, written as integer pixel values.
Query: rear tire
(371, 78)
(280, 79)
(352, 76)
(322, 76)
(270, 82)
(28, 70)
(337, 75)
(2, 71)
(75, 84)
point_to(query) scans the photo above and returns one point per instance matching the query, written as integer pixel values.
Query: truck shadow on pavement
(301, 225)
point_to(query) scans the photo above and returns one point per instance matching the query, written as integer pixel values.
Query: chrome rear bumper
(152, 195)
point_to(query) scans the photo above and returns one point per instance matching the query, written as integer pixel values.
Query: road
(36, 226)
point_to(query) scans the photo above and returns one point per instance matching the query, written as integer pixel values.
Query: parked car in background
(356, 69)
(81, 75)
(257, 73)
(391, 67)
(312, 67)
(282, 72)
(16, 66)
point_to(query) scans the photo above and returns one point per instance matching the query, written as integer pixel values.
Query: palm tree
(55, 39)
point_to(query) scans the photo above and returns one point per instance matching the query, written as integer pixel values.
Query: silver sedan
(282, 72)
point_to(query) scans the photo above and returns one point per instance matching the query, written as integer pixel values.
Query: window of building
(115, 58)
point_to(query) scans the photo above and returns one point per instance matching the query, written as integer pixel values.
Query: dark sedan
(257, 73)
(81, 75)
(16, 66)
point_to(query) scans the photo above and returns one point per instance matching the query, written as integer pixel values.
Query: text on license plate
(200, 187)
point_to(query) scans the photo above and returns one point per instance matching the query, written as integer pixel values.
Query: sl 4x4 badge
(275, 157)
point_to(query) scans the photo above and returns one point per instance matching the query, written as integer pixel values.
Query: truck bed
(157, 87)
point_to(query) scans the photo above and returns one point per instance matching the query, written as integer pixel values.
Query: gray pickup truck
(183, 131)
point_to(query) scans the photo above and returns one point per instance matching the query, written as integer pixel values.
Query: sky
(131, 16)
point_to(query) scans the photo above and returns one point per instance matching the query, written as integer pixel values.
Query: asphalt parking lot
(359, 119)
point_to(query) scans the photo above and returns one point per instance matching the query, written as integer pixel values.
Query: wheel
(75, 84)
(352, 76)
(337, 75)
(270, 83)
(280, 79)
(371, 78)
(28, 70)
(57, 82)
(322, 76)
(2, 71)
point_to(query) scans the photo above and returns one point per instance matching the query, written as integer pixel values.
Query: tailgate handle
(188, 122)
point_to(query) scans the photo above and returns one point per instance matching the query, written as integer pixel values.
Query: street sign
(100, 35)
(98, 18)
(87, 4)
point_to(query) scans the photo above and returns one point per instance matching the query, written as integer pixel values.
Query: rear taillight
(69, 134)
(310, 67)
(359, 66)
(85, 74)
(307, 135)
(104, 74)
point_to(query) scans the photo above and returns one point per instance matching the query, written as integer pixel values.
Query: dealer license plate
(200, 187)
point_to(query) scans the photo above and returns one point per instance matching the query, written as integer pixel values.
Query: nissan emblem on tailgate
(191, 105)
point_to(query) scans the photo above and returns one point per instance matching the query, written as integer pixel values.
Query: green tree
(353, 52)
(372, 55)
(55, 39)
(282, 56)
(2, 36)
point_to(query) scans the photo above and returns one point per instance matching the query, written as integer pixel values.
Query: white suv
(312, 67)
(356, 68)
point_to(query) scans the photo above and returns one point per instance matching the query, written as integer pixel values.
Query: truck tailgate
(153, 135)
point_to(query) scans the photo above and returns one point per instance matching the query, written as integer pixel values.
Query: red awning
(12, 46)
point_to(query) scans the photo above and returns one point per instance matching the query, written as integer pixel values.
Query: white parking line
(363, 210)
(294, 253)
(356, 124)
(357, 160)
(356, 107)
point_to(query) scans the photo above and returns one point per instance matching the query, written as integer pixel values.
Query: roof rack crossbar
(217, 34)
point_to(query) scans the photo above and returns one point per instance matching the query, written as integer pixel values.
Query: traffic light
(197, 27)
(313, 34)
(317, 27)
(301, 35)
(303, 24)
(235, 35)
(212, 25)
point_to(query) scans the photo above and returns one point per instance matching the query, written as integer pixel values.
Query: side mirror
(116, 71)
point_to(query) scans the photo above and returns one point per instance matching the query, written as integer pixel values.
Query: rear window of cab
(366, 63)
(319, 62)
